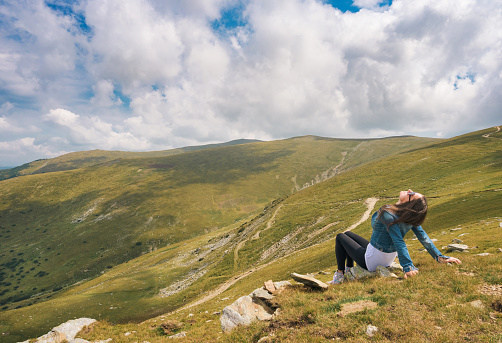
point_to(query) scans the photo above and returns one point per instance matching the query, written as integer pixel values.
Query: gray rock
(457, 247)
(66, 331)
(384, 272)
(244, 311)
(484, 254)
(178, 335)
(456, 240)
(262, 294)
(371, 330)
(395, 267)
(281, 284)
(359, 273)
(309, 281)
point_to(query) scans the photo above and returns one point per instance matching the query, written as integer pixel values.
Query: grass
(461, 177)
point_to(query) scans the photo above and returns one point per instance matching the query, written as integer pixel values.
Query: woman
(390, 224)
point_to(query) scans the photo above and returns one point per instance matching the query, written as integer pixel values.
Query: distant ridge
(80, 159)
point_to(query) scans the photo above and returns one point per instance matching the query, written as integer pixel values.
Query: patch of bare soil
(357, 306)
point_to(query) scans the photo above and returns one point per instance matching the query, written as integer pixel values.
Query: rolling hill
(226, 217)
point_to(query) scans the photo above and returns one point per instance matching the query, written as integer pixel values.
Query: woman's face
(405, 196)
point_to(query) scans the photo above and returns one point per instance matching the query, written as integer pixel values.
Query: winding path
(370, 204)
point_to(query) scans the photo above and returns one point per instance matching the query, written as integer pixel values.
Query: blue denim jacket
(390, 238)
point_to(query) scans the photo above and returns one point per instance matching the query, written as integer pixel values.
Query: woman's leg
(360, 240)
(348, 250)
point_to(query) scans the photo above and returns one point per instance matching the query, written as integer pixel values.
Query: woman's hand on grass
(410, 273)
(451, 260)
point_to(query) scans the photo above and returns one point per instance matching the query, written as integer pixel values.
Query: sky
(143, 75)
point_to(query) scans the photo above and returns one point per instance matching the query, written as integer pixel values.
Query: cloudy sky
(157, 74)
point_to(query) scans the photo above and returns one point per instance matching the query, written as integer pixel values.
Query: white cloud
(93, 132)
(297, 67)
(104, 95)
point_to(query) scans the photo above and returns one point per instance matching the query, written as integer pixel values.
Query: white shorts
(375, 258)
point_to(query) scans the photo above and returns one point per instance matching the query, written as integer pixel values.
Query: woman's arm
(429, 245)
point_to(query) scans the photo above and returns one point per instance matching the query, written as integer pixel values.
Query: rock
(395, 267)
(477, 304)
(281, 284)
(78, 340)
(458, 228)
(66, 331)
(371, 330)
(500, 224)
(242, 312)
(384, 272)
(269, 286)
(456, 240)
(309, 281)
(499, 250)
(457, 247)
(178, 335)
(359, 273)
(262, 294)
(483, 254)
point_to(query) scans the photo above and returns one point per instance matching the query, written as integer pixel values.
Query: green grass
(461, 177)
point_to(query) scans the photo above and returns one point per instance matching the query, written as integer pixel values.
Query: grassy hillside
(461, 177)
(64, 227)
(82, 159)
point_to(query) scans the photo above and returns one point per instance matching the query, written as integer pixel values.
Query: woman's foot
(337, 278)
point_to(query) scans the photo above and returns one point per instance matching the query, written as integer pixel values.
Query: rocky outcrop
(309, 281)
(66, 332)
(258, 305)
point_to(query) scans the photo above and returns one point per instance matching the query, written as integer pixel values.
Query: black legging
(350, 247)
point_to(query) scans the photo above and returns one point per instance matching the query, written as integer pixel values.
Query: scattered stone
(262, 294)
(500, 224)
(66, 331)
(242, 312)
(360, 273)
(217, 313)
(78, 340)
(127, 334)
(483, 254)
(266, 339)
(178, 335)
(357, 306)
(456, 240)
(457, 247)
(477, 304)
(309, 281)
(456, 229)
(281, 284)
(269, 286)
(384, 272)
(463, 234)
(371, 330)
(395, 267)
(322, 272)
(490, 289)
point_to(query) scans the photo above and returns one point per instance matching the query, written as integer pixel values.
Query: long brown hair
(411, 212)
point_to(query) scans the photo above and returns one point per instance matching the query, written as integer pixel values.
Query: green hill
(83, 159)
(222, 244)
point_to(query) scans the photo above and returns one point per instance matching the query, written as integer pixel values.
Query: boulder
(243, 311)
(66, 332)
(262, 294)
(457, 247)
(269, 286)
(309, 281)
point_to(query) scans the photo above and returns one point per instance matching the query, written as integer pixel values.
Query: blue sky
(149, 74)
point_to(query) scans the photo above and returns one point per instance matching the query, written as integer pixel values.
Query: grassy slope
(62, 227)
(461, 176)
(82, 159)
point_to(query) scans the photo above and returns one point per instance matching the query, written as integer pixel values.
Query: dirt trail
(370, 203)
(487, 135)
